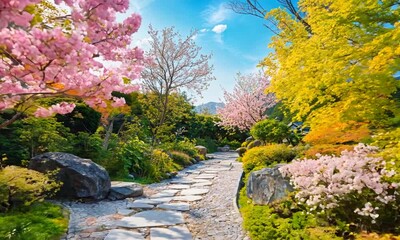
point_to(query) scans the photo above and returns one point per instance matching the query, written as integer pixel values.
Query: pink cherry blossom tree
(63, 54)
(177, 65)
(248, 103)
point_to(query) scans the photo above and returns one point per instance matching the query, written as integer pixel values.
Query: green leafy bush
(266, 222)
(160, 165)
(209, 143)
(39, 221)
(22, 186)
(270, 130)
(231, 143)
(185, 146)
(267, 155)
(133, 157)
(181, 158)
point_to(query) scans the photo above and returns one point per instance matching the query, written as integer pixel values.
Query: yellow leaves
(341, 72)
(384, 58)
(338, 133)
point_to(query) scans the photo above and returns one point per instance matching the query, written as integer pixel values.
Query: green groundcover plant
(41, 221)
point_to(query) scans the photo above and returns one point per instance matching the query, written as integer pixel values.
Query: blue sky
(237, 42)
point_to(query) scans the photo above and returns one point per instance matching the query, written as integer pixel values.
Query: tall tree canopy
(344, 70)
(177, 65)
(248, 103)
(49, 52)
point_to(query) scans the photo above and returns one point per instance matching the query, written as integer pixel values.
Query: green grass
(41, 221)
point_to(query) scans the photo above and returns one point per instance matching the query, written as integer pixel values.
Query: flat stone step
(195, 191)
(219, 169)
(120, 234)
(206, 176)
(125, 212)
(175, 233)
(179, 206)
(179, 186)
(151, 218)
(211, 172)
(165, 193)
(201, 180)
(187, 198)
(146, 201)
(162, 199)
(140, 205)
(182, 181)
(202, 184)
(193, 172)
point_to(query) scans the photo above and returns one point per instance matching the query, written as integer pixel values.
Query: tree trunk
(108, 134)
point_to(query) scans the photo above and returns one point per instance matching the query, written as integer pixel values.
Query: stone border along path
(199, 203)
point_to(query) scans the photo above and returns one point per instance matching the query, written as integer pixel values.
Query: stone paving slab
(140, 205)
(146, 201)
(202, 184)
(206, 176)
(193, 172)
(219, 169)
(182, 181)
(195, 191)
(179, 206)
(125, 211)
(179, 186)
(151, 218)
(175, 233)
(201, 180)
(165, 193)
(120, 234)
(162, 199)
(211, 172)
(187, 198)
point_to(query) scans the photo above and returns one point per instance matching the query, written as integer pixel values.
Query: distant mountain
(210, 107)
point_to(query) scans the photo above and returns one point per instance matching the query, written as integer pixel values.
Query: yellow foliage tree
(342, 69)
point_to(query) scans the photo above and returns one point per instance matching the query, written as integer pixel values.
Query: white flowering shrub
(350, 187)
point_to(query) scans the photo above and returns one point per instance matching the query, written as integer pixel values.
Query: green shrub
(209, 143)
(185, 146)
(270, 130)
(22, 186)
(181, 158)
(160, 164)
(233, 144)
(266, 156)
(266, 222)
(133, 157)
(38, 222)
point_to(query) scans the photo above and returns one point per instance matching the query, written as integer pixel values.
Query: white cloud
(214, 15)
(204, 30)
(220, 28)
(194, 37)
(143, 43)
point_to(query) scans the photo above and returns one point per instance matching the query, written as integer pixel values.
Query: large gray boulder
(267, 185)
(81, 178)
(202, 150)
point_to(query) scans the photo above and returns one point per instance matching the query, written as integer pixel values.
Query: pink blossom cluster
(60, 108)
(49, 61)
(248, 103)
(323, 183)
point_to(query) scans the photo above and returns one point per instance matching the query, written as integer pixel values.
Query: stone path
(196, 204)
